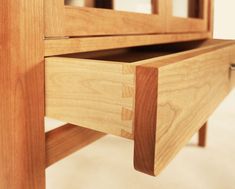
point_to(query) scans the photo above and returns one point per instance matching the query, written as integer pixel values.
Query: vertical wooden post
(22, 137)
(202, 136)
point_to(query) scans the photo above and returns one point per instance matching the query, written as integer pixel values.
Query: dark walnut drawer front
(159, 102)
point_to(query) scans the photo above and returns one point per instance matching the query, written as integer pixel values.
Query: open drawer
(159, 98)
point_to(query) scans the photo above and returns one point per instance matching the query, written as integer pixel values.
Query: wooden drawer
(160, 101)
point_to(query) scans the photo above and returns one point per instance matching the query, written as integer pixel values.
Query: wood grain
(94, 94)
(145, 119)
(189, 90)
(185, 101)
(86, 44)
(85, 21)
(202, 135)
(22, 138)
(66, 140)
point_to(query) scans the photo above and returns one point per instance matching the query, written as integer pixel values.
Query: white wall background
(224, 17)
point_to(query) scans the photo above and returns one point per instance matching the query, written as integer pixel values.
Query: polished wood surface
(66, 140)
(22, 138)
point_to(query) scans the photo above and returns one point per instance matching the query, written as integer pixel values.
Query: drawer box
(160, 101)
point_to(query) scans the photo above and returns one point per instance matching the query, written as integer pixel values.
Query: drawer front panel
(188, 91)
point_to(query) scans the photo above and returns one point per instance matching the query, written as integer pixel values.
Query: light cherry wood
(66, 140)
(152, 100)
(101, 95)
(86, 44)
(202, 135)
(22, 138)
(185, 101)
(83, 21)
(95, 94)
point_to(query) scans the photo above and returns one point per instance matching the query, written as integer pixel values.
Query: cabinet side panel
(22, 137)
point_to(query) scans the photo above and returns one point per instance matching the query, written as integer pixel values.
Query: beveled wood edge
(59, 46)
(66, 140)
(145, 119)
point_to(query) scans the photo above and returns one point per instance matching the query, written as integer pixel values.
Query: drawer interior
(136, 54)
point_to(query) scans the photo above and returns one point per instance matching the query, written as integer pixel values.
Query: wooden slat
(86, 44)
(22, 137)
(66, 140)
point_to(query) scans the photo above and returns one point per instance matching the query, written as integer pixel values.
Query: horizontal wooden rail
(59, 46)
(66, 140)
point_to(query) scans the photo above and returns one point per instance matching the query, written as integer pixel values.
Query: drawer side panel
(91, 94)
